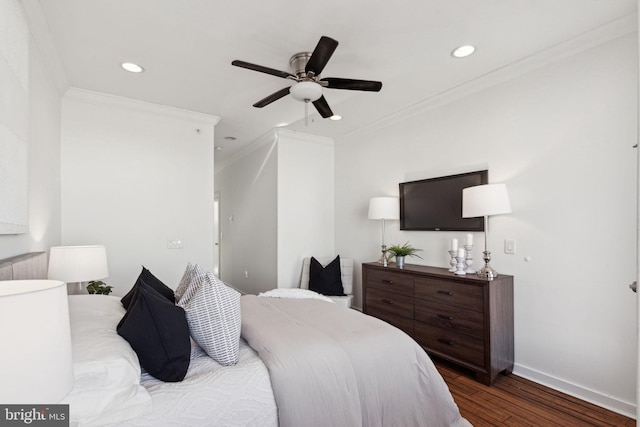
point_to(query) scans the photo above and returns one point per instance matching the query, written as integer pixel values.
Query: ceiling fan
(306, 68)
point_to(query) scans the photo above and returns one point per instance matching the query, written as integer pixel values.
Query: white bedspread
(214, 395)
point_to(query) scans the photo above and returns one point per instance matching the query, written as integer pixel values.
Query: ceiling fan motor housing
(306, 90)
(298, 62)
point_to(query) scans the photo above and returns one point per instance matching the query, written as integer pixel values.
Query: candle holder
(460, 266)
(453, 261)
(468, 259)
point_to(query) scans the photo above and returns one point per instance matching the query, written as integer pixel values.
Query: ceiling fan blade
(321, 55)
(271, 98)
(350, 84)
(261, 69)
(323, 107)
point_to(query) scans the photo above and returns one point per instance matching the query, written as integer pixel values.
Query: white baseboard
(627, 409)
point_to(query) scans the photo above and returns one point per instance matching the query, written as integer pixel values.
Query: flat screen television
(436, 204)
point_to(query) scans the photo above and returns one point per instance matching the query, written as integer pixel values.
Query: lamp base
(76, 288)
(383, 256)
(487, 271)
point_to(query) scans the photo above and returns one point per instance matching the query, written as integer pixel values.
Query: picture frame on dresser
(466, 320)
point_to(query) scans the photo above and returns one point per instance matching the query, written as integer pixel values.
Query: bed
(300, 362)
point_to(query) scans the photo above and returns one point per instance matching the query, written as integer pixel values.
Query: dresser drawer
(450, 317)
(399, 322)
(450, 344)
(456, 294)
(389, 302)
(387, 280)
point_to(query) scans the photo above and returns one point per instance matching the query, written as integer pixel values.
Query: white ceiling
(186, 48)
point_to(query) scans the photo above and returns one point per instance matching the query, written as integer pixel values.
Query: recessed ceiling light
(218, 148)
(463, 51)
(131, 67)
(282, 124)
(230, 138)
(336, 117)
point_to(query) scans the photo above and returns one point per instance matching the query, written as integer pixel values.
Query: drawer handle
(446, 293)
(387, 281)
(444, 316)
(445, 341)
(388, 301)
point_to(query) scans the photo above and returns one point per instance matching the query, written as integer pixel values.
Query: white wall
(248, 218)
(305, 202)
(280, 194)
(43, 162)
(135, 175)
(561, 137)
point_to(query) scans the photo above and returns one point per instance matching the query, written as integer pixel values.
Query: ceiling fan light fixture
(306, 91)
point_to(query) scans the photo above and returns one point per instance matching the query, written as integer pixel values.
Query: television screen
(436, 204)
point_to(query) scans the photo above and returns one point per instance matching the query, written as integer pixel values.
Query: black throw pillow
(326, 280)
(154, 283)
(158, 332)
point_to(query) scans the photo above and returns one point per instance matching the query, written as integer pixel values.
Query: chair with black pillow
(346, 276)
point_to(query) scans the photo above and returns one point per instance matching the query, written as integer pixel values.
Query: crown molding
(272, 136)
(608, 32)
(98, 98)
(269, 137)
(302, 136)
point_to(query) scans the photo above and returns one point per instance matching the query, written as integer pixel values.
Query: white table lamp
(35, 362)
(384, 208)
(485, 200)
(78, 264)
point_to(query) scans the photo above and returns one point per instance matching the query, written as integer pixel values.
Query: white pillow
(213, 313)
(295, 293)
(106, 369)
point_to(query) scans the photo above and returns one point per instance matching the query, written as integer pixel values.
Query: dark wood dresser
(463, 319)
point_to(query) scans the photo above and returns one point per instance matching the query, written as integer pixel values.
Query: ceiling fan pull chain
(306, 113)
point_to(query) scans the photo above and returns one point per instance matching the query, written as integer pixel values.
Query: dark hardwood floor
(515, 401)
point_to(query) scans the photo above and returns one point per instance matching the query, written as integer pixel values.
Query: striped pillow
(213, 313)
(193, 273)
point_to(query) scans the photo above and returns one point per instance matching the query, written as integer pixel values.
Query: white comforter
(213, 395)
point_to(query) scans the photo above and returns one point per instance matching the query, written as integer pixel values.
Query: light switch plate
(510, 246)
(174, 244)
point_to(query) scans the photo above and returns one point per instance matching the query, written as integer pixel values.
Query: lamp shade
(73, 264)
(485, 200)
(384, 208)
(35, 362)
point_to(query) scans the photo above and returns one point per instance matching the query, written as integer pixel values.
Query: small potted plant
(399, 252)
(98, 287)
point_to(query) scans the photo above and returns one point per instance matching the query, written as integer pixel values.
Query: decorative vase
(400, 261)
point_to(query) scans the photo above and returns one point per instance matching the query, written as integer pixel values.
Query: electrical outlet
(510, 246)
